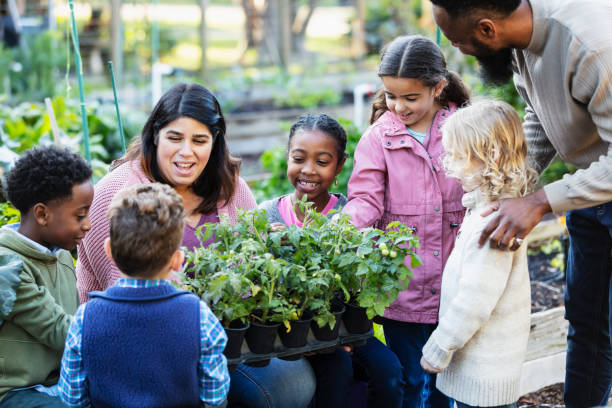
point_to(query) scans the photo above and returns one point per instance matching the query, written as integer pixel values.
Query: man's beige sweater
(481, 338)
(565, 76)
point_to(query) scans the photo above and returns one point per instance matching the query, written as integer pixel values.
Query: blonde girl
(479, 345)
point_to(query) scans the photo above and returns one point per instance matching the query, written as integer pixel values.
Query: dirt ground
(547, 282)
(551, 396)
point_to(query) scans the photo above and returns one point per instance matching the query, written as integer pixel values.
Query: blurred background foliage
(332, 46)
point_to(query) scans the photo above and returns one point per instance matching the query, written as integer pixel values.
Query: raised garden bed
(545, 360)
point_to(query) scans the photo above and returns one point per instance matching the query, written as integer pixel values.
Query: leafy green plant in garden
(370, 262)
(306, 97)
(555, 171)
(228, 289)
(32, 71)
(554, 246)
(387, 19)
(254, 275)
(8, 214)
(27, 125)
(277, 275)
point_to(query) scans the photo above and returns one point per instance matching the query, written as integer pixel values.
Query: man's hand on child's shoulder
(428, 367)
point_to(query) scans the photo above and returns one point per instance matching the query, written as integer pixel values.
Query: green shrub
(27, 125)
(8, 214)
(32, 71)
(282, 273)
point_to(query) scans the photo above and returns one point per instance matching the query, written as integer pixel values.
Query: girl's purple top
(190, 240)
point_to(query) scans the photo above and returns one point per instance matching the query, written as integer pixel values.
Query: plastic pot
(355, 319)
(235, 335)
(327, 333)
(298, 334)
(260, 337)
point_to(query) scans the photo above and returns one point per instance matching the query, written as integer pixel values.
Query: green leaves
(8, 214)
(250, 271)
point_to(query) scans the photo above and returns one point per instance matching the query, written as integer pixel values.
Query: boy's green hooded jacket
(33, 333)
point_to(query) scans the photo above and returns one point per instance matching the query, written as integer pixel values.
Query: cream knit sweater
(482, 334)
(565, 76)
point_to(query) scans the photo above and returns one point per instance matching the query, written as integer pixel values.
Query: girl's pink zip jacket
(397, 178)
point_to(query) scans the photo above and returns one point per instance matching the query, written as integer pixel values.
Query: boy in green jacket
(51, 188)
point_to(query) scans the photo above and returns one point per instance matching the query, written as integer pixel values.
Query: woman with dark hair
(183, 145)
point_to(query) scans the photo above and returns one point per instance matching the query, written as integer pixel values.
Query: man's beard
(495, 66)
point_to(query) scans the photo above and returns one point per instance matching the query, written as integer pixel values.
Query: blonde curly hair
(485, 146)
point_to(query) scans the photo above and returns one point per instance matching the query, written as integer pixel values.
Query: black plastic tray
(312, 345)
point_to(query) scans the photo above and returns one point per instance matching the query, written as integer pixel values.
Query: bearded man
(559, 53)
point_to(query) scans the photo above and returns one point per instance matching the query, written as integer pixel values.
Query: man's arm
(585, 188)
(540, 151)
(592, 88)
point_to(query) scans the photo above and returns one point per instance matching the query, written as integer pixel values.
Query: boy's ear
(107, 249)
(41, 214)
(178, 257)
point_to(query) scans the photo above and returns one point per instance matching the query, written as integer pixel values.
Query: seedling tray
(312, 345)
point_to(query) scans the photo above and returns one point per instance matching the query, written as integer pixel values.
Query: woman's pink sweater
(94, 270)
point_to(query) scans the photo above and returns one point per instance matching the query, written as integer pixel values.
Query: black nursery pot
(235, 335)
(355, 319)
(299, 332)
(327, 333)
(260, 337)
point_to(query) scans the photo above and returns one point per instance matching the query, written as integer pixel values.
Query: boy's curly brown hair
(146, 228)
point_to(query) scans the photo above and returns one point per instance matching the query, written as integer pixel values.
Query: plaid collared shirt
(212, 367)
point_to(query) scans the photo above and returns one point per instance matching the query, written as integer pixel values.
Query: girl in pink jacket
(398, 176)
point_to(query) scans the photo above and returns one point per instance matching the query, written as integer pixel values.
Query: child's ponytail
(379, 106)
(455, 91)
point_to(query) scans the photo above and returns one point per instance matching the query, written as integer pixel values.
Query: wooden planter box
(545, 360)
(253, 133)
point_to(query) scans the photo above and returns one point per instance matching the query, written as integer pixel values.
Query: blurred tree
(276, 28)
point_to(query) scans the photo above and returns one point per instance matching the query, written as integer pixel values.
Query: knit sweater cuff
(436, 355)
(556, 194)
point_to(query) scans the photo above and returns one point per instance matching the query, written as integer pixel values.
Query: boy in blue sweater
(141, 342)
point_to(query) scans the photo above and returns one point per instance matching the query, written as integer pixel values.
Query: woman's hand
(428, 367)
